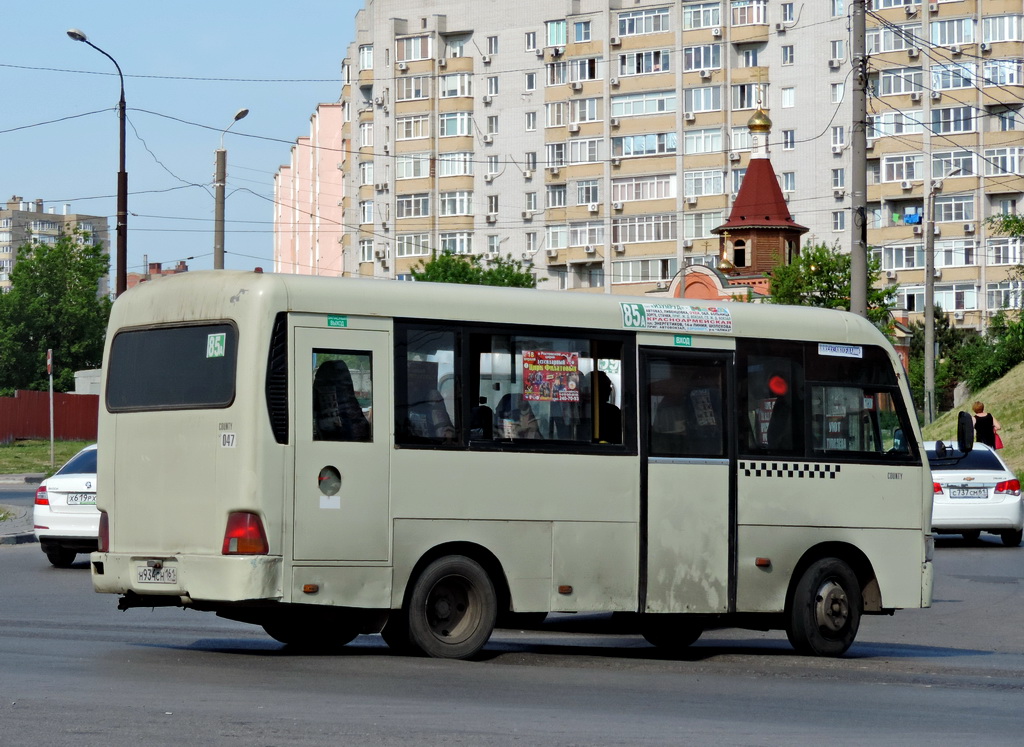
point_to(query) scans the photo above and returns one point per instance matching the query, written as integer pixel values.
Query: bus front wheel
(452, 608)
(310, 633)
(825, 612)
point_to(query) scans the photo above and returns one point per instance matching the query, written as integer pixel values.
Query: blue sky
(188, 66)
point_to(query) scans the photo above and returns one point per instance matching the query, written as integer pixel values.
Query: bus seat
(514, 418)
(337, 414)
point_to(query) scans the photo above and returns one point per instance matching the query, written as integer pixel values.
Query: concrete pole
(220, 177)
(929, 303)
(858, 163)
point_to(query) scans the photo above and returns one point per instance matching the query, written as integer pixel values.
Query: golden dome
(759, 121)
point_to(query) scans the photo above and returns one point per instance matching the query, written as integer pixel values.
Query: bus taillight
(245, 535)
(104, 537)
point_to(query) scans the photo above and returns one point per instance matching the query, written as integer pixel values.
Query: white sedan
(974, 493)
(66, 519)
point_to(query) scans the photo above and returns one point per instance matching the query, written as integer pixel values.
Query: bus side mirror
(964, 432)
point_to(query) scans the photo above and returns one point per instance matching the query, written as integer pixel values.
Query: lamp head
(77, 35)
(241, 114)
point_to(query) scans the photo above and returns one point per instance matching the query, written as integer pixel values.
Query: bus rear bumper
(186, 577)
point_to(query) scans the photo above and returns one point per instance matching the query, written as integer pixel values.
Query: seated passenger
(337, 415)
(514, 418)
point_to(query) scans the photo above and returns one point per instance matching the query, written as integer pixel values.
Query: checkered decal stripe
(787, 469)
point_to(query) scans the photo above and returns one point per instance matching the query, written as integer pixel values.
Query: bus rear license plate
(968, 492)
(81, 499)
(147, 574)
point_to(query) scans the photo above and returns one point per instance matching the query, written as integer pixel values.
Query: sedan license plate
(148, 574)
(81, 499)
(968, 492)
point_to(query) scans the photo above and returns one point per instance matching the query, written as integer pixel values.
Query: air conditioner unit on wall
(917, 230)
(968, 228)
(402, 67)
(834, 64)
(985, 47)
(593, 207)
(705, 73)
(915, 95)
(958, 315)
(913, 52)
(716, 31)
(734, 156)
(691, 200)
(906, 184)
(891, 274)
(837, 150)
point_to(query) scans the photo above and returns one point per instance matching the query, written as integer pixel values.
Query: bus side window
(337, 412)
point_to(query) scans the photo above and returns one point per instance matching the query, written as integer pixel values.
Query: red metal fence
(27, 415)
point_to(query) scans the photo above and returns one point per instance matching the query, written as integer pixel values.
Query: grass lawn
(32, 455)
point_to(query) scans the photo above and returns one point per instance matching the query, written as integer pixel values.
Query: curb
(32, 478)
(21, 527)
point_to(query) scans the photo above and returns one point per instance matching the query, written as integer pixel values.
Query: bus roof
(230, 294)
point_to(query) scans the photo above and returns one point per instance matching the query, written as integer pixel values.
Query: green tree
(960, 349)
(820, 277)
(53, 303)
(470, 269)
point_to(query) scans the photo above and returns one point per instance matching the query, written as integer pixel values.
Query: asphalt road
(74, 670)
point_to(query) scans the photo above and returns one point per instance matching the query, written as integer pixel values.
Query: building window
(586, 233)
(458, 242)
(531, 201)
(644, 145)
(707, 140)
(556, 194)
(749, 12)
(788, 98)
(455, 203)
(555, 154)
(644, 270)
(492, 85)
(704, 99)
(953, 119)
(633, 188)
(366, 211)
(954, 208)
(455, 123)
(492, 165)
(837, 90)
(366, 172)
(787, 12)
(644, 63)
(704, 57)
(903, 167)
(492, 124)
(702, 15)
(412, 166)
(645, 228)
(837, 49)
(585, 110)
(699, 225)
(531, 41)
(412, 48)
(455, 164)
(789, 139)
(366, 135)
(581, 31)
(788, 56)
(492, 204)
(531, 121)
(366, 250)
(654, 102)
(412, 87)
(412, 245)
(999, 161)
(838, 220)
(748, 95)
(837, 8)
(555, 114)
(839, 135)
(788, 181)
(584, 69)
(412, 128)
(1002, 28)
(587, 192)
(530, 160)
(455, 84)
(555, 33)
(945, 33)
(492, 45)
(703, 182)
(531, 81)
(838, 178)
(412, 206)
(650, 21)
(366, 57)
(945, 162)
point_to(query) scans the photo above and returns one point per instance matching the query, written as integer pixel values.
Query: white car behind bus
(65, 516)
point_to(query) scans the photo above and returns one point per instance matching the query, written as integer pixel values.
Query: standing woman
(985, 425)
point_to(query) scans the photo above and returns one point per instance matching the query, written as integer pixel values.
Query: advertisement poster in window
(550, 376)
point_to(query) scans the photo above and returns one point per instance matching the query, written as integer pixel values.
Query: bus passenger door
(687, 515)
(342, 427)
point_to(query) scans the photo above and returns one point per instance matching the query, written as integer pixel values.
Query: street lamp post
(220, 177)
(122, 174)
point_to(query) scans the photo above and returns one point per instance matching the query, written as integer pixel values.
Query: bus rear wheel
(672, 633)
(825, 611)
(452, 608)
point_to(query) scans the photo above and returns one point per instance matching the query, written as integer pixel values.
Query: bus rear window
(172, 368)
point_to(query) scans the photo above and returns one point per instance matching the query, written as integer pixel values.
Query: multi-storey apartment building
(23, 222)
(946, 150)
(605, 140)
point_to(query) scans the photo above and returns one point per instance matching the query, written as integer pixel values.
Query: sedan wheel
(1012, 538)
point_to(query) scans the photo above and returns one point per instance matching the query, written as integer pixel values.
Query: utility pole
(219, 178)
(858, 166)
